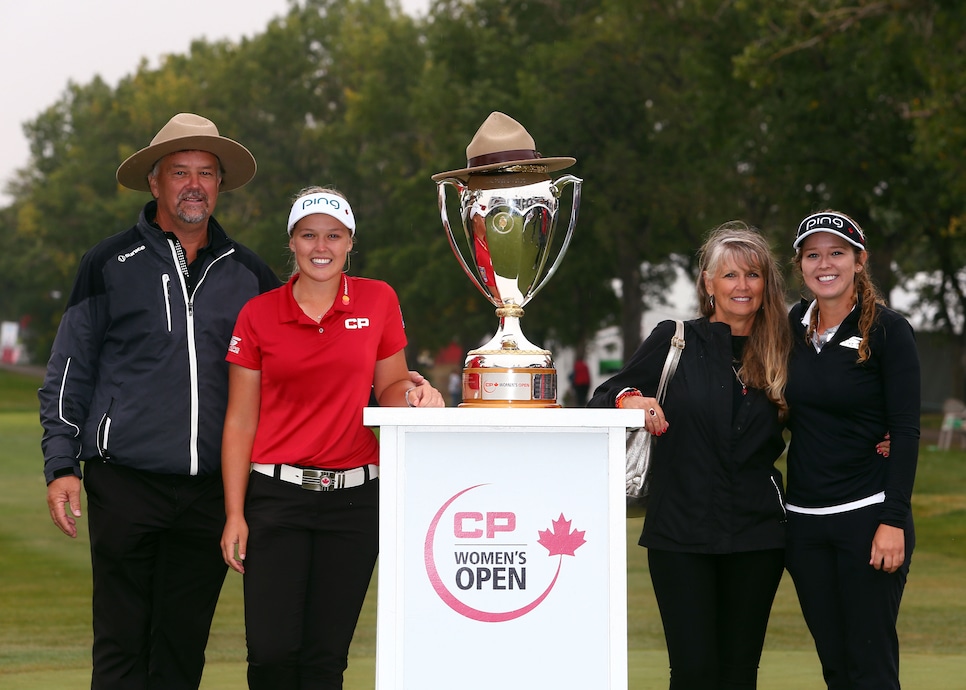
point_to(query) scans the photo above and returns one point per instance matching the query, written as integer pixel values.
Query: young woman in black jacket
(715, 529)
(853, 377)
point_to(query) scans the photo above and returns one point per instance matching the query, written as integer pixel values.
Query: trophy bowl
(508, 226)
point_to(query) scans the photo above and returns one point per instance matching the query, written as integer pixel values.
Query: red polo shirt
(317, 377)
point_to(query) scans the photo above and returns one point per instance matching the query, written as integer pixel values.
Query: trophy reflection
(508, 211)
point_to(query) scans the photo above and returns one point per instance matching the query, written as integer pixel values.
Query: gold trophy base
(491, 387)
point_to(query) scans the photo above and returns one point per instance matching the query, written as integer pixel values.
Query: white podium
(502, 557)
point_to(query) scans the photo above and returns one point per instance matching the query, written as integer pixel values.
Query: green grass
(45, 585)
(18, 392)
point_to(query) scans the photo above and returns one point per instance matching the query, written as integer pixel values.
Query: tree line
(682, 115)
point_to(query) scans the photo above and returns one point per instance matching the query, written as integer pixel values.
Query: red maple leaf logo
(561, 541)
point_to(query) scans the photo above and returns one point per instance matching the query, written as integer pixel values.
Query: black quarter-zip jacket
(715, 488)
(841, 409)
(137, 373)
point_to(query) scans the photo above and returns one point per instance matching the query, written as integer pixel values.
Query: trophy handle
(454, 245)
(557, 188)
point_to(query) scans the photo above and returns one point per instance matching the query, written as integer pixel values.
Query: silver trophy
(504, 249)
(508, 208)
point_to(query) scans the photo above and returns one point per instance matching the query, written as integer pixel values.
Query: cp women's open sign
(502, 555)
(487, 563)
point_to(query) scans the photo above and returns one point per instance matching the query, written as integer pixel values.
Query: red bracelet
(629, 393)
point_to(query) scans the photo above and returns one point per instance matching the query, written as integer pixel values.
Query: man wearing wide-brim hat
(136, 390)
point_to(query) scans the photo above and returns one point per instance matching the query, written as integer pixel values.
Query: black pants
(715, 612)
(850, 608)
(158, 571)
(309, 562)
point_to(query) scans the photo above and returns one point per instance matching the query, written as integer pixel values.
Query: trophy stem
(509, 338)
(509, 370)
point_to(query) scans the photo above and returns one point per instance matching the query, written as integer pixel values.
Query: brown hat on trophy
(189, 132)
(501, 144)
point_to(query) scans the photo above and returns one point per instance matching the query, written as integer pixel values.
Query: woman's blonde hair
(764, 363)
(315, 189)
(866, 294)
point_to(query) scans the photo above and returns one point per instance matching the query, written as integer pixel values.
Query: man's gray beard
(193, 218)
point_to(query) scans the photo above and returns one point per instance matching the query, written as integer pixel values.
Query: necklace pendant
(744, 387)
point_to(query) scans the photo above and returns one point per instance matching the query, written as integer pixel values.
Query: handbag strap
(671, 362)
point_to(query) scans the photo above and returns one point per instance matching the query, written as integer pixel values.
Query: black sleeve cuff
(65, 471)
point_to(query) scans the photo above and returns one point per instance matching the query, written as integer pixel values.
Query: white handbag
(639, 442)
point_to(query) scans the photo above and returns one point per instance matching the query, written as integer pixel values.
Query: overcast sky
(44, 44)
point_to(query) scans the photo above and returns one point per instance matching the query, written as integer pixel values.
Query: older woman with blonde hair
(714, 529)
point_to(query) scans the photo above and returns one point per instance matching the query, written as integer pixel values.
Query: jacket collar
(805, 306)
(217, 237)
(707, 330)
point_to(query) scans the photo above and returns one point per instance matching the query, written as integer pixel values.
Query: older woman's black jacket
(715, 488)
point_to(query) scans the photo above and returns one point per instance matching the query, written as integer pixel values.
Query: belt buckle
(321, 480)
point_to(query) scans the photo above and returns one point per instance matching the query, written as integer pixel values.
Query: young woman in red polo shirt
(299, 467)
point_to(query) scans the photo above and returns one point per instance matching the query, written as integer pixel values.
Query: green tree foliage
(865, 105)
(831, 84)
(681, 115)
(67, 203)
(646, 100)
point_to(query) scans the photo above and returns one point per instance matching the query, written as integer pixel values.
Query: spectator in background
(455, 388)
(580, 379)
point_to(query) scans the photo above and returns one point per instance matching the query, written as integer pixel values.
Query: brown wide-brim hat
(502, 142)
(189, 132)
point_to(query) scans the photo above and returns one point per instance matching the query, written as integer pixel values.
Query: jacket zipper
(178, 255)
(165, 285)
(104, 430)
(781, 503)
(192, 347)
(60, 405)
(104, 433)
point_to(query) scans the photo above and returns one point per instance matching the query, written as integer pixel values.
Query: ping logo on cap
(824, 221)
(324, 203)
(332, 201)
(830, 221)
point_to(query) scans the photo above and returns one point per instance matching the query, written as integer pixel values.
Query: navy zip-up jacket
(137, 373)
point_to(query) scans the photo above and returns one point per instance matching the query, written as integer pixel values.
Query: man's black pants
(158, 572)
